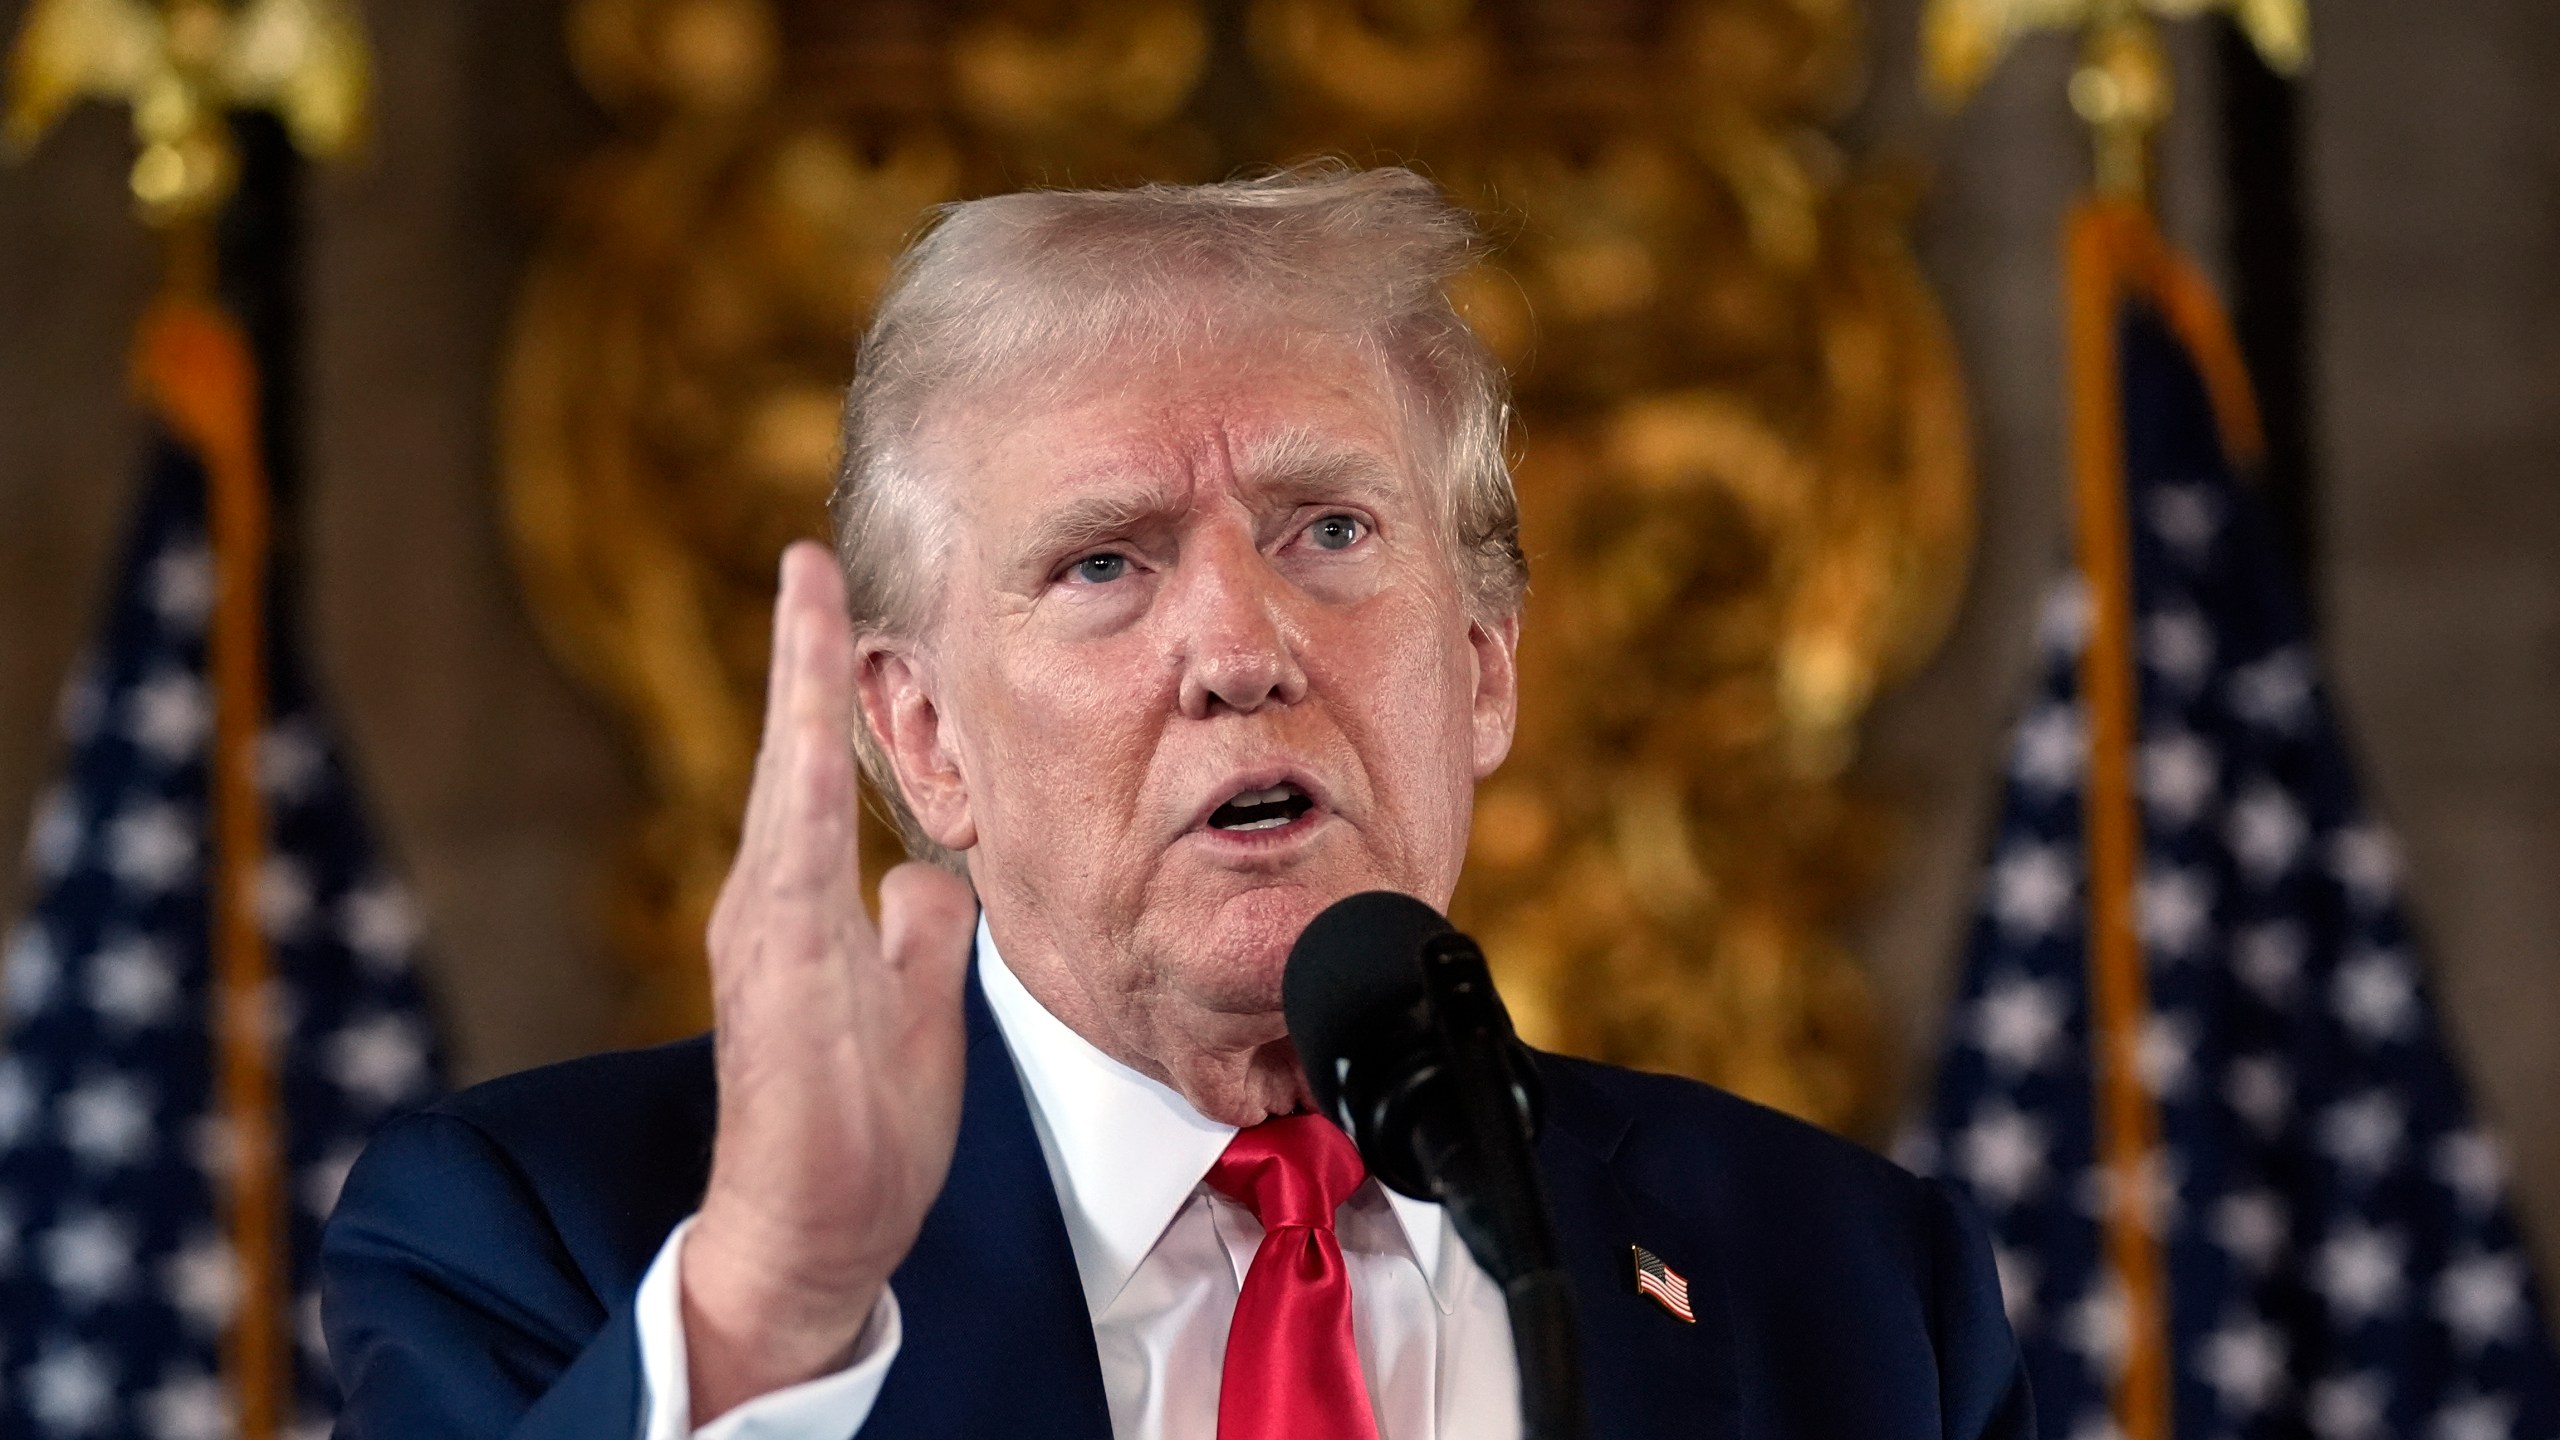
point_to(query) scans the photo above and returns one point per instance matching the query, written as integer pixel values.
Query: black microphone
(1406, 1044)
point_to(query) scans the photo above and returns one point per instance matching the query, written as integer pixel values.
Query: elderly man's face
(1203, 667)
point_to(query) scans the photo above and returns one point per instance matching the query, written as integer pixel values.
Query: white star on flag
(2187, 516)
(203, 1282)
(381, 1060)
(2096, 1327)
(132, 984)
(2357, 1270)
(2148, 1193)
(2052, 745)
(2019, 1023)
(169, 716)
(2267, 833)
(2003, 1153)
(2472, 1164)
(70, 1390)
(2246, 1364)
(188, 1406)
(152, 848)
(290, 762)
(2269, 958)
(2347, 1407)
(2364, 1134)
(2366, 862)
(2376, 994)
(2165, 1053)
(2062, 626)
(88, 1257)
(106, 1121)
(2480, 1298)
(2178, 645)
(284, 897)
(2274, 693)
(2250, 1225)
(2178, 777)
(2175, 910)
(380, 923)
(2032, 889)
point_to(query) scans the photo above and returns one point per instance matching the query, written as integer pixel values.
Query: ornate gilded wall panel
(1741, 453)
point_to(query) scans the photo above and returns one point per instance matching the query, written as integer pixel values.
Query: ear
(905, 717)
(1497, 707)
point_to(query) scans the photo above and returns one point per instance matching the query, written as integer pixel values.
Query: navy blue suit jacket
(479, 1271)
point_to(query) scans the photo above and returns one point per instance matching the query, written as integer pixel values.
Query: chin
(1226, 930)
(1229, 950)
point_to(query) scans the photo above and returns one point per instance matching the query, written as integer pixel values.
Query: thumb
(927, 915)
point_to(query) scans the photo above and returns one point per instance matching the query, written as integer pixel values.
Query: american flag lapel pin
(1663, 1283)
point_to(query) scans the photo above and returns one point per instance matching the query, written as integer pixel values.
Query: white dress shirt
(1160, 1257)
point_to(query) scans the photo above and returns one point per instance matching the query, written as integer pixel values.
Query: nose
(1239, 646)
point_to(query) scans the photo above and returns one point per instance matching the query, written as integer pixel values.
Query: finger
(756, 826)
(818, 840)
(927, 917)
(767, 790)
(799, 842)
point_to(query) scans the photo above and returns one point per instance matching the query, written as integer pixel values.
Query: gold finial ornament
(1963, 40)
(181, 65)
(2121, 88)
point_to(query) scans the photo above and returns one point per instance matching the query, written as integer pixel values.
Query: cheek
(1066, 736)
(1407, 678)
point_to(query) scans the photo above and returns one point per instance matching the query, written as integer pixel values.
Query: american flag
(1662, 1283)
(116, 1277)
(2338, 1254)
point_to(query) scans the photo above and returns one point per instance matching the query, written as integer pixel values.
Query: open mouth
(1261, 809)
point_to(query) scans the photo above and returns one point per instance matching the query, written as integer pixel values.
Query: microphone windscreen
(1357, 963)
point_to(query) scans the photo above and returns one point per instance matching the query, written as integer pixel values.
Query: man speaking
(1175, 597)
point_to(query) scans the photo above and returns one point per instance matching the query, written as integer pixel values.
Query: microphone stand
(1487, 1177)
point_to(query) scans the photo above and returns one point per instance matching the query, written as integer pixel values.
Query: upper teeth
(1272, 796)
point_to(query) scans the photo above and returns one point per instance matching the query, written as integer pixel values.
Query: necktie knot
(1293, 1365)
(1293, 1170)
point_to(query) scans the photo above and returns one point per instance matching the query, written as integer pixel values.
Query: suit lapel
(998, 1341)
(1644, 1371)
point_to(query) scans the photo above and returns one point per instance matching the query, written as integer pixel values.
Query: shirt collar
(1126, 1151)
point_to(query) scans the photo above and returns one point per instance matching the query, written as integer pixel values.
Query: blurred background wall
(2434, 209)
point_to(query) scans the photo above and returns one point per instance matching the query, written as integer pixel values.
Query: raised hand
(839, 1043)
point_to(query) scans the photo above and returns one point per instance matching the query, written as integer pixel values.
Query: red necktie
(1292, 1370)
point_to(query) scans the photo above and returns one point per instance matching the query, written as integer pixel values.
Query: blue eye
(1102, 569)
(1336, 532)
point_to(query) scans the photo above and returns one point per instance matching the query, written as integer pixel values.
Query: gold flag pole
(2113, 252)
(183, 67)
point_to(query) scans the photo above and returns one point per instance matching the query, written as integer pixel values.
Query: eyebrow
(1308, 464)
(1294, 464)
(1085, 521)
